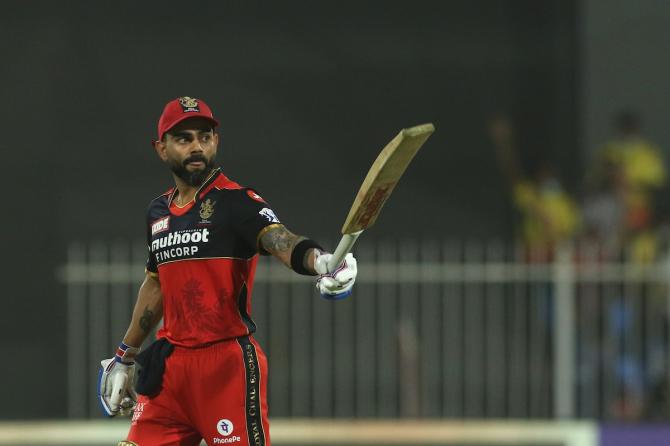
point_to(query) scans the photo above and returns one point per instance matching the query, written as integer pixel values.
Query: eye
(206, 137)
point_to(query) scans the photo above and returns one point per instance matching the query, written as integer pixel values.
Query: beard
(192, 178)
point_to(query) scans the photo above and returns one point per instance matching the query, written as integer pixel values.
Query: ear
(161, 150)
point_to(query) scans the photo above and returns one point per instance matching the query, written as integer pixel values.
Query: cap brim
(184, 118)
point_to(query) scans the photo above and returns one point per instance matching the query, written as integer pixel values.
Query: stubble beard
(196, 177)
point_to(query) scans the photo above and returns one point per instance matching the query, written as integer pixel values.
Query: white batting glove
(116, 382)
(338, 284)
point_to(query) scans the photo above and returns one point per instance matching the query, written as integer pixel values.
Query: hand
(115, 383)
(338, 284)
(500, 129)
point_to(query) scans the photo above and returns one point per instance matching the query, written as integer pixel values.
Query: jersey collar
(210, 179)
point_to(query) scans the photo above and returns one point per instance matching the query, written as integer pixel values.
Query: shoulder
(245, 202)
(233, 190)
(160, 202)
(164, 196)
(246, 198)
(218, 183)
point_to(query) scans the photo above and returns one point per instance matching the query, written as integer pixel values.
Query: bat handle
(343, 248)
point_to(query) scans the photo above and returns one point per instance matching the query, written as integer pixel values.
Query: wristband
(298, 256)
(125, 354)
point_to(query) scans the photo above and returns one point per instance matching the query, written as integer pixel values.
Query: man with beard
(205, 376)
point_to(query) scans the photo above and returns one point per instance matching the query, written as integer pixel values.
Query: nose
(196, 147)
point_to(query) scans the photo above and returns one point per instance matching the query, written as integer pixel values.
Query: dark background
(307, 94)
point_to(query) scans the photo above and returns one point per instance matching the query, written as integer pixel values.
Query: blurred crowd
(614, 207)
(614, 215)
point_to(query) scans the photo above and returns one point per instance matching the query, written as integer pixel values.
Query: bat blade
(378, 185)
(383, 176)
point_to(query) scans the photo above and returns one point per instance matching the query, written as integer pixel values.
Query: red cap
(183, 108)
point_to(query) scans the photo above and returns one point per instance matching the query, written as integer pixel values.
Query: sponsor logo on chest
(179, 244)
(160, 225)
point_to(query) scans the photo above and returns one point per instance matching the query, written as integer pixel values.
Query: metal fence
(434, 329)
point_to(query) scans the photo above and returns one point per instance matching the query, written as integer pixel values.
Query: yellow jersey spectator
(549, 215)
(643, 169)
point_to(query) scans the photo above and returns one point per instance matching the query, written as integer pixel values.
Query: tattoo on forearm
(146, 321)
(279, 239)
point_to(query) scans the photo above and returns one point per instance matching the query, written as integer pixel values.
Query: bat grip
(343, 248)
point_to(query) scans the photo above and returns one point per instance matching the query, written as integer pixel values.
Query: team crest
(207, 209)
(189, 104)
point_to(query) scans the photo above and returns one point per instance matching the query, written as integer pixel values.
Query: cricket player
(205, 376)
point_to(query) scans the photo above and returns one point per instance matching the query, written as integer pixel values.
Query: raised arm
(305, 256)
(503, 138)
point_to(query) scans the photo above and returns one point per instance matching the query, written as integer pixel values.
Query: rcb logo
(189, 104)
(207, 209)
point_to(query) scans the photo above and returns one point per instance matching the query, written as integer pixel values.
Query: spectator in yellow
(643, 170)
(549, 216)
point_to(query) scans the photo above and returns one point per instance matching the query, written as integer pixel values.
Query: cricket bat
(378, 185)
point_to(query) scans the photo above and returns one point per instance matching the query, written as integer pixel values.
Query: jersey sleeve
(151, 267)
(252, 216)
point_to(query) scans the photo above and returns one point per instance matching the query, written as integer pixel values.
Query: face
(189, 149)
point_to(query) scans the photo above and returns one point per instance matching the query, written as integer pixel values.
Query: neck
(186, 192)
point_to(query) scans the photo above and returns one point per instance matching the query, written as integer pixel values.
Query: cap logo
(189, 104)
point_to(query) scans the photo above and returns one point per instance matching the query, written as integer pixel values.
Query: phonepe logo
(225, 427)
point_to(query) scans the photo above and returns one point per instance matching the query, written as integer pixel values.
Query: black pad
(152, 367)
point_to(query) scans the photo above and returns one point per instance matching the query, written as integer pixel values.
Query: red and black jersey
(205, 256)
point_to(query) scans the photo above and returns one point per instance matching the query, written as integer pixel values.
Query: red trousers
(217, 393)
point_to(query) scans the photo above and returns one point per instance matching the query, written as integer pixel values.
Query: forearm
(147, 313)
(509, 162)
(502, 136)
(293, 249)
(280, 242)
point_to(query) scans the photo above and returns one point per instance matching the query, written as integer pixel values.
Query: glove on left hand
(116, 383)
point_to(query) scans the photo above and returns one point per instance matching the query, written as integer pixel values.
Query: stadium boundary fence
(333, 433)
(436, 329)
